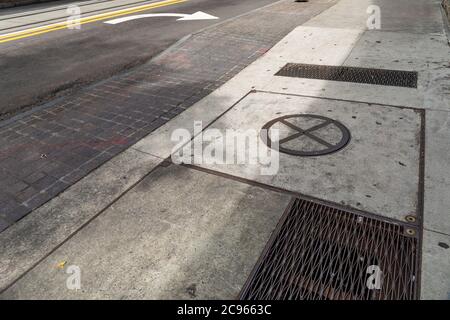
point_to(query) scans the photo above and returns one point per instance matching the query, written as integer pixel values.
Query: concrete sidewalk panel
(28, 241)
(346, 14)
(426, 54)
(377, 172)
(437, 175)
(435, 266)
(179, 234)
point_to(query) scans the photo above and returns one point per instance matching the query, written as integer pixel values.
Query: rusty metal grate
(324, 253)
(383, 77)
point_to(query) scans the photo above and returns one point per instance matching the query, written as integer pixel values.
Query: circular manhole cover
(307, 135)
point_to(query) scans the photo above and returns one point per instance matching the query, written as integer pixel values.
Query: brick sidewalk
(43, 153)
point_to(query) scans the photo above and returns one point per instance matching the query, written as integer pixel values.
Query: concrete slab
(377, 172)
(22, 18)
(425, 54)
(28, 241)
(413, 16)
(315, 46)
(179, 234)
(435, 266)
(159, 143)
(437, 175)
(257, 76)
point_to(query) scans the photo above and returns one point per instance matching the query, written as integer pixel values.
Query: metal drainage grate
(383, 77)
(323, 253)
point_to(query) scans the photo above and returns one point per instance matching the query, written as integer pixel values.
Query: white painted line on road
(183, 17)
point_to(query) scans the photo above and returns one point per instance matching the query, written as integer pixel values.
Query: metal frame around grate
(384, 77)
(323, 253)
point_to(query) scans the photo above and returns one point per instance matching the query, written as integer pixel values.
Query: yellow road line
(103, 16)
(97, 17)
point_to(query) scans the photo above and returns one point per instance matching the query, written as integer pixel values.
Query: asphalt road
(36, 69)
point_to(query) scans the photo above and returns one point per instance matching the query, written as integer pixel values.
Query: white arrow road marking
(183, 17)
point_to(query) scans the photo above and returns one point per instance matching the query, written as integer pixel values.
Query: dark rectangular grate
(323, 253)
(383, 77)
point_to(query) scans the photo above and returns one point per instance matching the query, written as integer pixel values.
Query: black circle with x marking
(330, 147)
